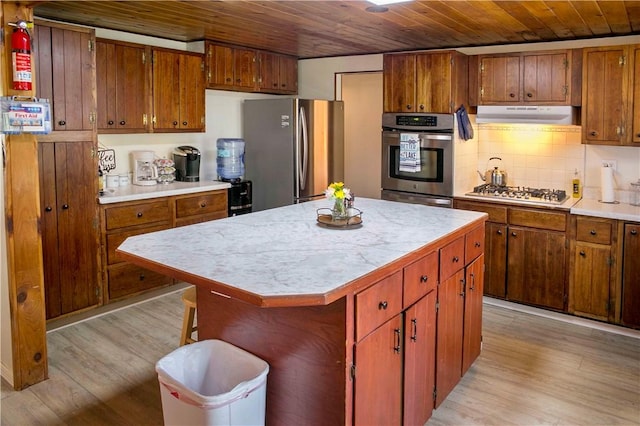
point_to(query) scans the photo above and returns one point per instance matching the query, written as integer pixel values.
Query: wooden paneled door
(69, 226)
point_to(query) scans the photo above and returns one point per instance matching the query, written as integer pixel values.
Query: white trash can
(212, 382)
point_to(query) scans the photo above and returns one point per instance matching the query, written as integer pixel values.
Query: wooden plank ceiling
(312, 29)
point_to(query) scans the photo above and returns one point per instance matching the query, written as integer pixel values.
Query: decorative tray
(326, 219)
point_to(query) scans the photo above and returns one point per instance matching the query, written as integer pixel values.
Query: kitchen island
(297, 294)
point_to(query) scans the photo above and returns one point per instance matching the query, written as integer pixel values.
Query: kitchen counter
(566, 205)
(137, 192)
(620, 211)
(306, 298)
(283, 257)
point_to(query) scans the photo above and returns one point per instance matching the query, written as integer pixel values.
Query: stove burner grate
(521, 193)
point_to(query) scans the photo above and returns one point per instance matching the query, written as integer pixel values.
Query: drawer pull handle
(512, 95)
(184, 123)
(48, 209)
(62, 123)
(141, 277)
(529, 95)
(110, 122)
(582, 253)
(175, 123)
(203, 205)
(65, 207)
(382, 305)
(456, 259)
(634, 232)
(424, 278)
(122, 123)
(593, 232)
(139, 214)
(593, 133)
(414, 329)
(396, 348)
(477, 244)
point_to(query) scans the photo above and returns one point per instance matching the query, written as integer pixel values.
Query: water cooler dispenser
(230, 167)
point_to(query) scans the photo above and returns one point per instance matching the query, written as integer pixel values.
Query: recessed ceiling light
(386, 2)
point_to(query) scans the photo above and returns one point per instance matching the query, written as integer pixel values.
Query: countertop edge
(135, 193)
(594, 208)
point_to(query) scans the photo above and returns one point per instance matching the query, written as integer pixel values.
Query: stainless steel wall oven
(429, 178)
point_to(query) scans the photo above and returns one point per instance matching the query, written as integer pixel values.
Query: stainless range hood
(560, 115)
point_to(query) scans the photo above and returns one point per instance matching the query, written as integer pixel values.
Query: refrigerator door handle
(305, 148)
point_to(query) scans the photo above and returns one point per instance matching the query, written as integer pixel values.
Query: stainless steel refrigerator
(294, 148)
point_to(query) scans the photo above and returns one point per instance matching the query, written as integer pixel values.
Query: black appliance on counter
(239, 198)
(187, 163)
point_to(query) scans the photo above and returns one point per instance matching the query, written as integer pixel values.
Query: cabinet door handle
(593, 232)
(175, 123)
(512, 95)
(184, 123)
(473, 281)
(513, 234)
(110, 122)
(499, 232)
(634, 232)
(409, 107)
(48, 209)
(141, 277)
(382, 305)
(65, 207)
(456, 259)
(593, 133)
(414, 329)
(529, 95)
(139, 214)
(477, 244)
(62, 123)
(421, 107)
(582, 253)
(396, 347)
(122, 123)
(424, 278)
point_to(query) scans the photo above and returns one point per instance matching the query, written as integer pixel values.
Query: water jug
(230, 159)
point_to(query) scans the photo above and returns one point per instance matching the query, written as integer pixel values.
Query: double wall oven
(427, 140)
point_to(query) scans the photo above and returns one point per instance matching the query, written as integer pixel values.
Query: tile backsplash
(539, 156)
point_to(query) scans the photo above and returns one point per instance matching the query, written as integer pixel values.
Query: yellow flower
(337, 191)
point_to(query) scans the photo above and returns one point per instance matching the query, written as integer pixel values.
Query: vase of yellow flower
(340, 196)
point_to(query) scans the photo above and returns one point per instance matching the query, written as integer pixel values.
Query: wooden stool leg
(187, 325)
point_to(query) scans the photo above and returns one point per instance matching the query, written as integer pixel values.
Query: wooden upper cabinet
(634, 85)
(122, 87)
(178, 91)
(65, 74)
(399, 79)
(277, 73)
(609, 113)
(540, 78)
(230, 68)
(433, 82)
(499, 79)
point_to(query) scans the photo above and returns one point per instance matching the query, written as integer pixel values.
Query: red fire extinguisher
(21, 57)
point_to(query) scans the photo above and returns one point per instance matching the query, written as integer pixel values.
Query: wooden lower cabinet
(593, 274)
(631, 275)
(126, 219)
(526, 252)
(69, 226)
(472, 328)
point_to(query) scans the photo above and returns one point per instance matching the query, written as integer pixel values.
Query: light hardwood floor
(533, 370)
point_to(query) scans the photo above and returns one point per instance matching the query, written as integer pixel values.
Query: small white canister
(123, 179)
(113, 181)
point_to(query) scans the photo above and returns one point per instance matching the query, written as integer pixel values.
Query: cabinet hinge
(353, 372)
(566, 63)
(144, 119)
(435, 393)
(202, 66)
(90, 45)
(437, 306)
(481, 91)
(97, 291)
(482, 68)
(92, 117)
(610, 261)
(144, 57)
(565, 90)
(622, 61)
(153, 120)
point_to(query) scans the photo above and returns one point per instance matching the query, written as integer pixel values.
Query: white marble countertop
(136, 192)
(620, 211)
(284, 252)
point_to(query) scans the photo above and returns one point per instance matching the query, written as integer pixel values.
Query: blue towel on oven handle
(464, 124)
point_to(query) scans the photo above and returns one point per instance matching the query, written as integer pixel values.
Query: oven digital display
(420, 120)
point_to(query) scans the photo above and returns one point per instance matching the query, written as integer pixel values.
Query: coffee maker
(187, 163)
(144, 171)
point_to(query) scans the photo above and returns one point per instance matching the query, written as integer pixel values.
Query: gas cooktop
(520, 193)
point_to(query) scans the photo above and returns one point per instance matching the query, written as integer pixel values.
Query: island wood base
(307, 348)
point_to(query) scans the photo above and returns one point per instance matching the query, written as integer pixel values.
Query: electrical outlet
(610, 163)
